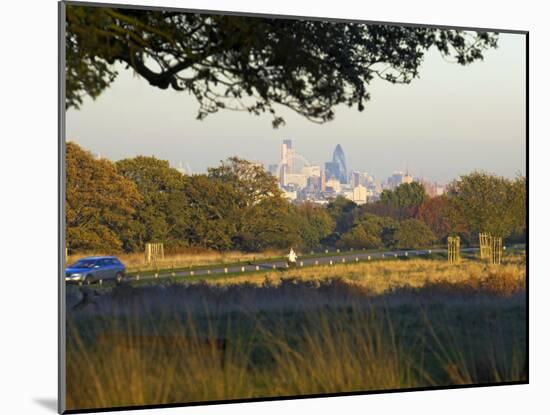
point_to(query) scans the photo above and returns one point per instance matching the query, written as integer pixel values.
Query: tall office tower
(287, 156)
(339, 158)
(356, 179)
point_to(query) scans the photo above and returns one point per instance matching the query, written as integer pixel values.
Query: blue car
(95, 269)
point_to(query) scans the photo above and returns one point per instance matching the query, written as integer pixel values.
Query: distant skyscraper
(332, 170)
(287, 159)
(287, 156)
(339, 158)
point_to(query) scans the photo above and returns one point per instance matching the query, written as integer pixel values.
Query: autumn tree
(252, 64)
(438, 213)
(402, 202)
(259, 213)
(208, 203)
(100, 204)
(163, 214)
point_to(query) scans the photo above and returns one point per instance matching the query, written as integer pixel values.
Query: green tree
(489, 203)
(342, 211)
(163, 213)
(413, 233)
(249, 63)
(209, 203)
(259, 213)
(382, 226)
(268, 225)
(313, 223)
(369, 231)
(100, 204)
(358, 238)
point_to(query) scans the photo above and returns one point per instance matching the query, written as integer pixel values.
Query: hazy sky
(452, 120)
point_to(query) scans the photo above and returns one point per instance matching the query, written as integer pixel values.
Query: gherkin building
(338, 158)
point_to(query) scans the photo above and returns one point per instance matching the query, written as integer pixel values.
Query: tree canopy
(402, 202)
(252, 63)
(413, 233)
(100, 203)
(161, 214)
(440, 215)
(490, 203)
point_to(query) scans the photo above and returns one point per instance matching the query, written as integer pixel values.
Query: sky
(452, 120)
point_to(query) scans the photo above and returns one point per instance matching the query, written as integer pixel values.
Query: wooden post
(484, 245)
(453, 249)
(495, 250)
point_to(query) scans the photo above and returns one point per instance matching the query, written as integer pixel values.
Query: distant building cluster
(301, 180)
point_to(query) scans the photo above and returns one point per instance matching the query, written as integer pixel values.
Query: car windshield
(84, 263)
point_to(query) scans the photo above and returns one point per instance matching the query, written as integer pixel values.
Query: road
(282, 265)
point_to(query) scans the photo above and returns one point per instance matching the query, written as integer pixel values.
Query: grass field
(355, 327)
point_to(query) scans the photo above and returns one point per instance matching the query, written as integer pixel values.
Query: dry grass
(182, 259)
(379, 277)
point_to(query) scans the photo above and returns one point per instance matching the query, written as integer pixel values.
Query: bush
(413, 233)
(358, 238)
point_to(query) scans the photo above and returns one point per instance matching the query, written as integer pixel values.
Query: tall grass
(299, 335)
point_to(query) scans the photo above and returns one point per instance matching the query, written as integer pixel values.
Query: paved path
(281, 265)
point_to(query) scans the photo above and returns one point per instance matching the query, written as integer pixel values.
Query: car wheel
(89, 279)
(119, 277)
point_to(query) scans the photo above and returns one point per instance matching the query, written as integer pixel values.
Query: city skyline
(184, 167)
(451, 121)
